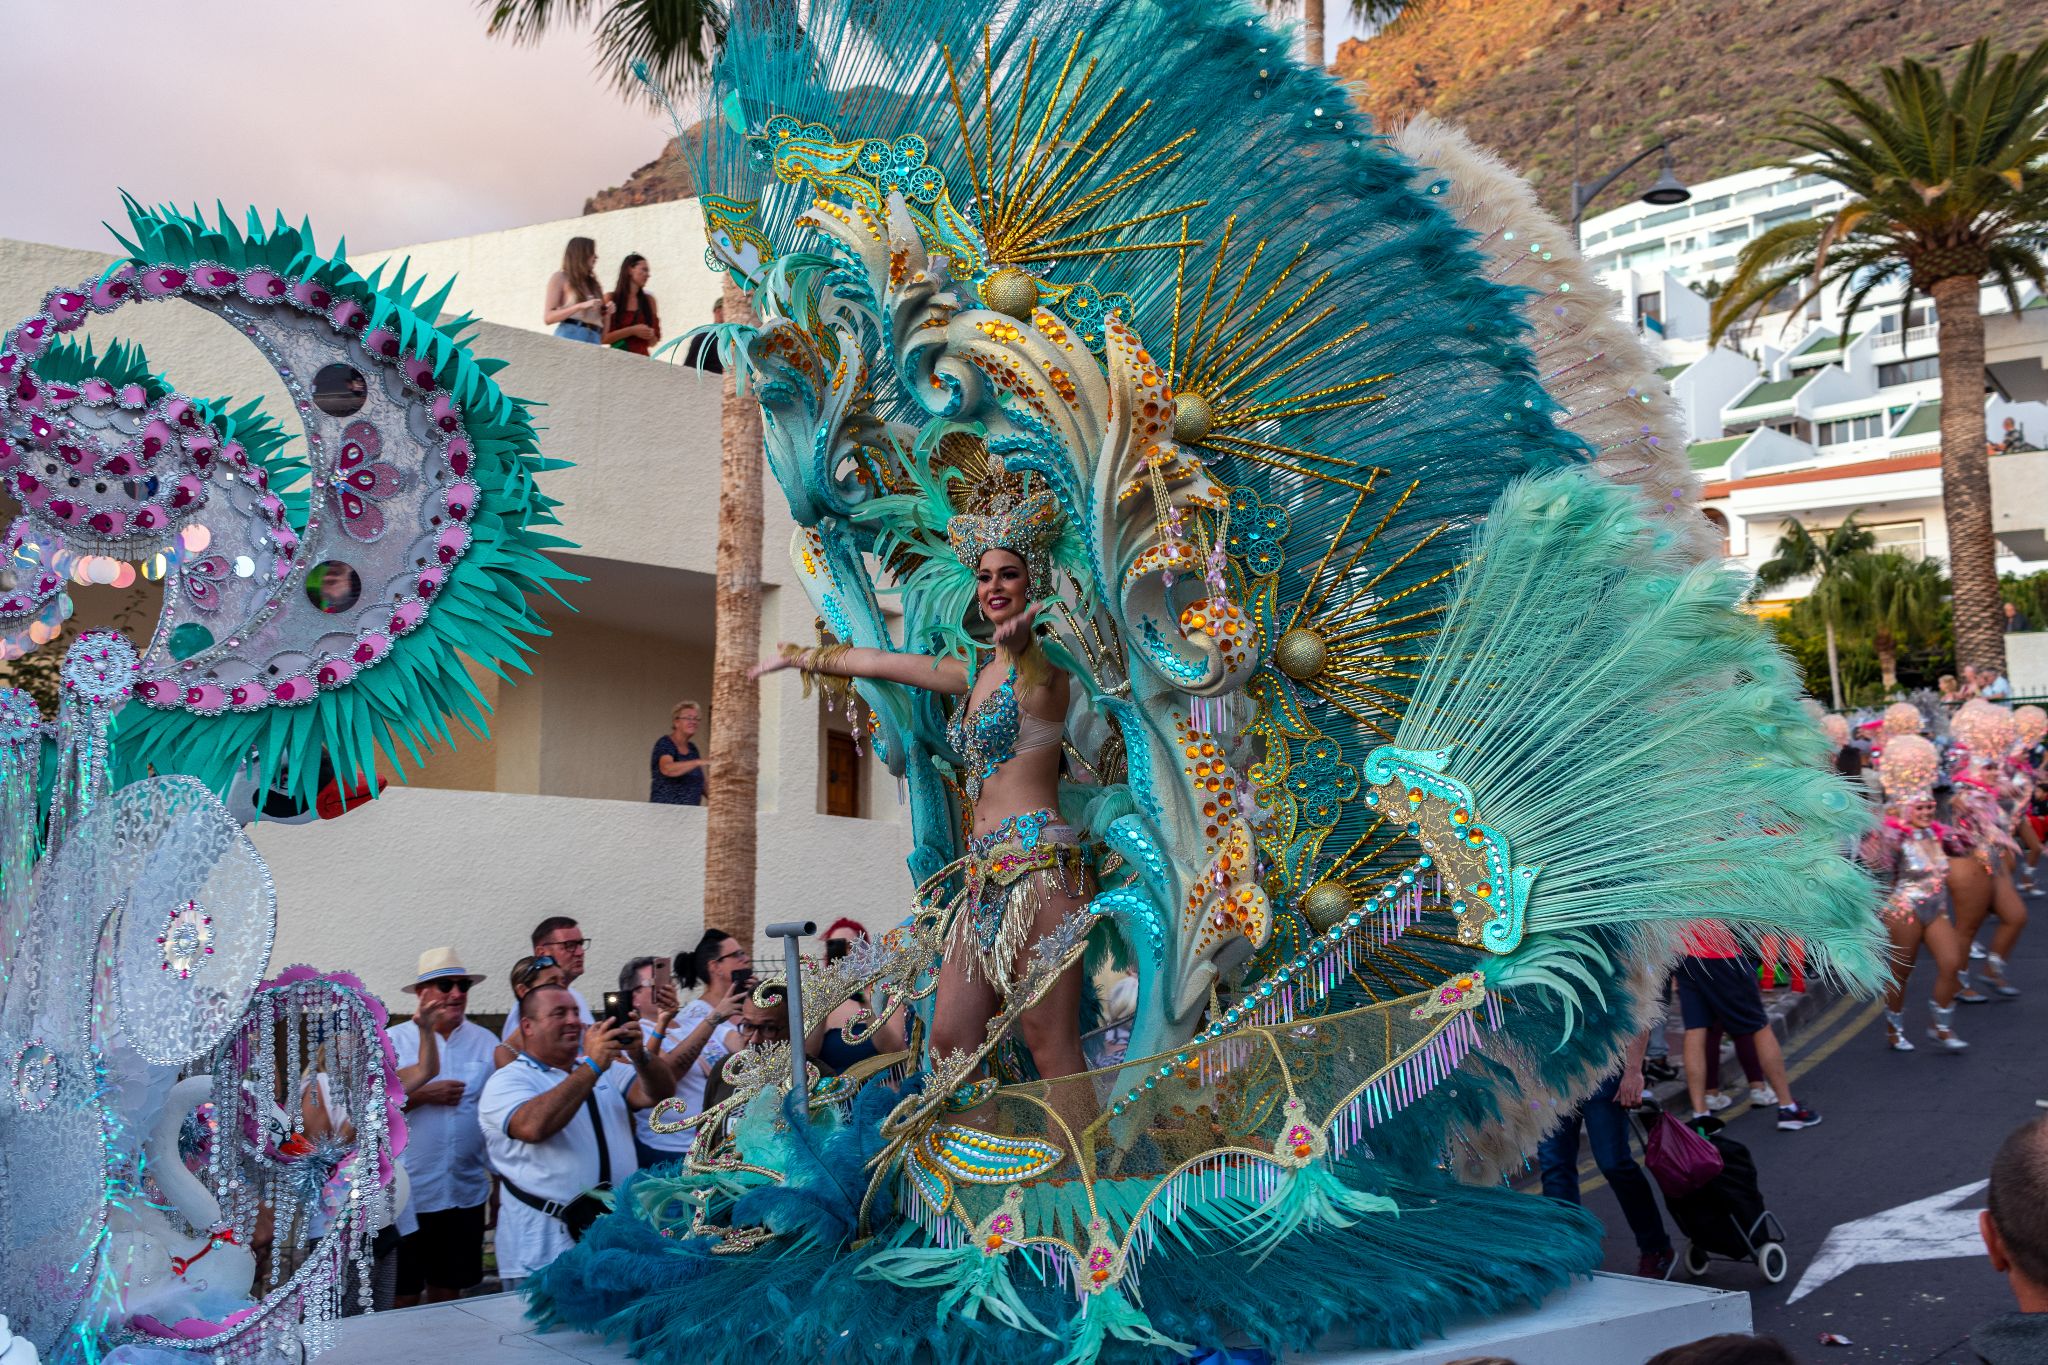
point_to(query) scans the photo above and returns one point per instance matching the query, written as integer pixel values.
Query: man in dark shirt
(678, 770)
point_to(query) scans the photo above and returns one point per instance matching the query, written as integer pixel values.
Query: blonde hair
(683, 706)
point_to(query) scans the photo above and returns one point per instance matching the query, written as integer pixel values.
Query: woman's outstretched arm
(884, 665)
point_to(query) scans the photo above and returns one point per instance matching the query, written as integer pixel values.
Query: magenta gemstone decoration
(207, 699)
(163, 280)
(312, 294)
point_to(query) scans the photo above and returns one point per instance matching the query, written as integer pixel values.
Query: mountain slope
(1713, 74)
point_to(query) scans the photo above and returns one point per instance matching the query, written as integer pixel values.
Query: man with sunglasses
(443, 1062)
(559, 938)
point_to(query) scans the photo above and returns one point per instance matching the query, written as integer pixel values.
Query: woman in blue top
(677, 768)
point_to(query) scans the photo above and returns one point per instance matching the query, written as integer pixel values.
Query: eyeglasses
(574, 945)
(533, 969)
(741, 953)
(447, 985)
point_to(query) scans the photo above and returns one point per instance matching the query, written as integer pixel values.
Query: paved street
(1899, 1128)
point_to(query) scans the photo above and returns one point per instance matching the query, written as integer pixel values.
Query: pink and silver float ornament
(257, 612)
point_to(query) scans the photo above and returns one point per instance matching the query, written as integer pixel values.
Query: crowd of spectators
(525, 1131)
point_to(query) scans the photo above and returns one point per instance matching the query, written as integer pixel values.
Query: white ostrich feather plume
(1590, 361)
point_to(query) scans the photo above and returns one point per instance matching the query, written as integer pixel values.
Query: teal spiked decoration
(327, 618)
(268, 445)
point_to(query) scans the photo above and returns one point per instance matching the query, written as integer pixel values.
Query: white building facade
(1805, 414)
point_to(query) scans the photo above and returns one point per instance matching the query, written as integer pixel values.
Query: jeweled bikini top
(995, 730)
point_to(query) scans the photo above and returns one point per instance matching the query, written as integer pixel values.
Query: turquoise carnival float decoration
(195, 1151)
(1412, 711)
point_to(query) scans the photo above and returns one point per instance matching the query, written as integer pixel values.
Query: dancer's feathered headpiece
(2031, 722)
(1908, 771)
(1902, 718)
(1984, 728)
(1028, 528)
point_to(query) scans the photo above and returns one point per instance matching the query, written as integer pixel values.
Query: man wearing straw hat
(443, 1062)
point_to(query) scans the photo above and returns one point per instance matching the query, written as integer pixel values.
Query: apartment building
(1806, 414)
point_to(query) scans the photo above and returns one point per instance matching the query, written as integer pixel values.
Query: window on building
(1847, 429)
(1667, 216)
(1595, 238)
(1909, 371)
(1909, 538)
(1723, 236)
(1650, 310)
(1752, 196)
(842, 775)
(1706, 206)
(1920, 315)
(1790, 214)
(1645, 255)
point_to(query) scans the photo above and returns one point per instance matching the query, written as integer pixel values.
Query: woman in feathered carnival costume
(1025, 873)
(1354, 663)
(1982, 813)
(1907, 855)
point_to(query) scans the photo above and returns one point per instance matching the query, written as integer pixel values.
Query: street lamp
(1668, 188)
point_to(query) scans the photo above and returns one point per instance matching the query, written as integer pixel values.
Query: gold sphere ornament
(1011, 291)
(1193, 418)
(1327, 904)
(1301, 653)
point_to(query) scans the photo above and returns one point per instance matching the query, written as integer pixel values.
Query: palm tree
(1799, 554)
(1314, 49)
(1947, 188)
(671, 44)
(1890, 598)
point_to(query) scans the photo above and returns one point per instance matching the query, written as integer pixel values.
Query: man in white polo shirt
(558, 1123)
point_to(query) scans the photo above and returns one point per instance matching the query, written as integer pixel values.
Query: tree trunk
(1966, 476)
(1312, 34)
(1887, 660)
(1834, 666)
(735, 757)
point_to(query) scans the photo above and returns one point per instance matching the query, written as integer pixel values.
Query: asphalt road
(1898, 1127)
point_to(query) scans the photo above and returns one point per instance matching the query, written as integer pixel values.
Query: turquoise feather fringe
(1451, 1252)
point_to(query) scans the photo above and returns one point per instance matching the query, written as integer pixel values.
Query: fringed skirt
(1006, 876)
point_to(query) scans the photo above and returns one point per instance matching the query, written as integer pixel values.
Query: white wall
(421, 869)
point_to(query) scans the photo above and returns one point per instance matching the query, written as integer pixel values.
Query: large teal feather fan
(325, 599)
(1414, 720)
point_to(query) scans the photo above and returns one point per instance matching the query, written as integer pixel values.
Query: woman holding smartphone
(721, 965)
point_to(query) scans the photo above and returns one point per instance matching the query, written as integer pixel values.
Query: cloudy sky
(396, 121)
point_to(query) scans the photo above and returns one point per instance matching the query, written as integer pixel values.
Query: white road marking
(1930, 1229)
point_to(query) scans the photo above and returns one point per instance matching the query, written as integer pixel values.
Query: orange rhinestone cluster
(1223, 621)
